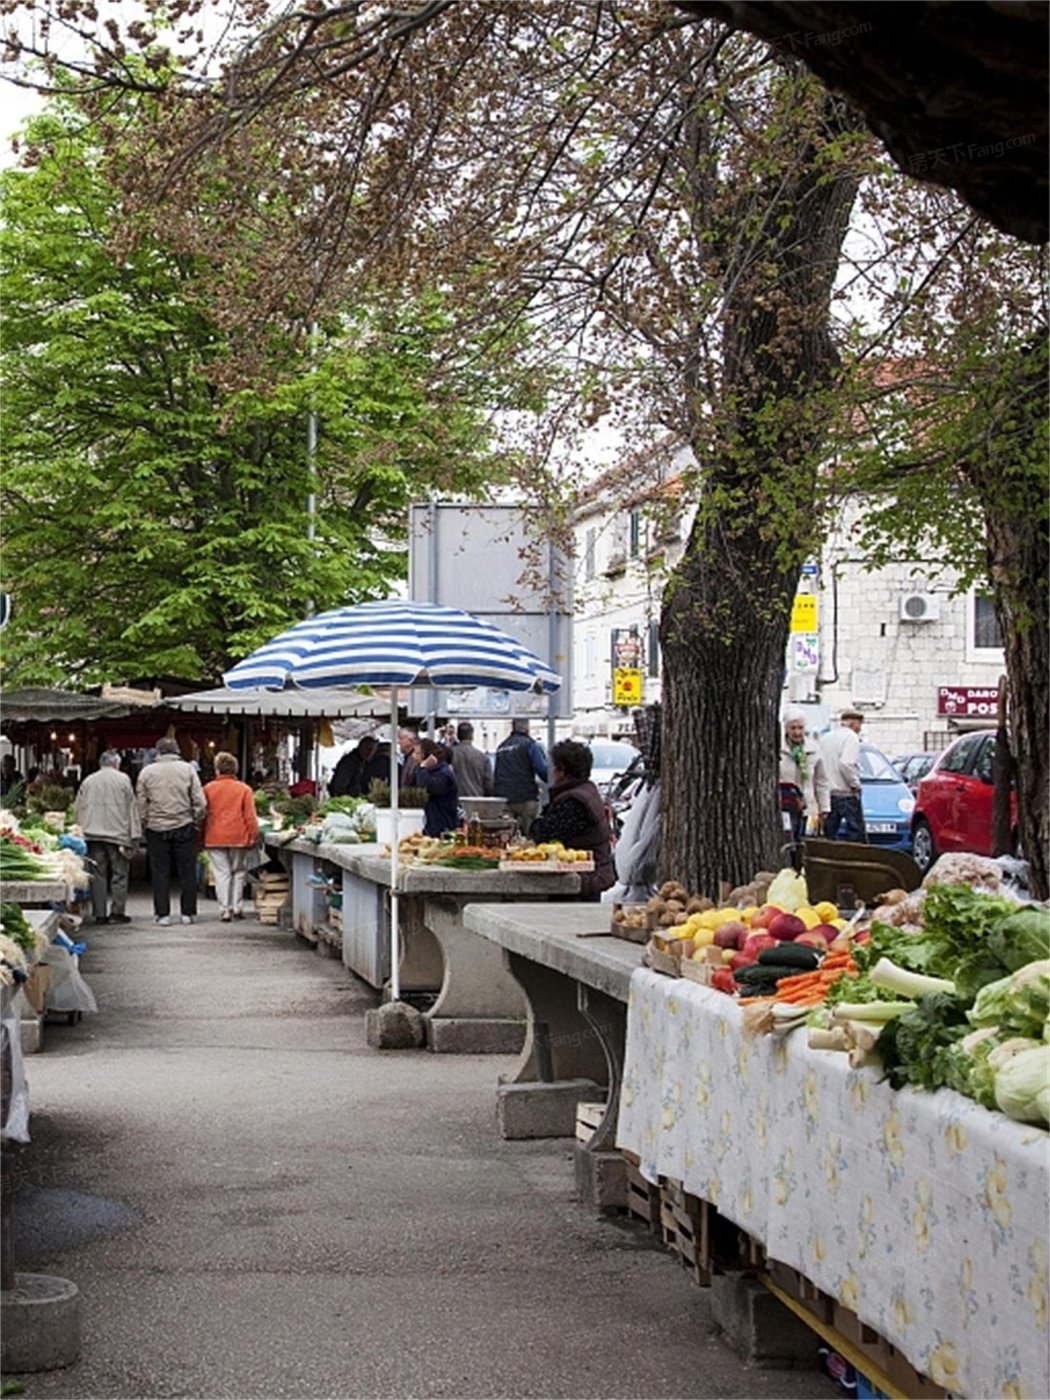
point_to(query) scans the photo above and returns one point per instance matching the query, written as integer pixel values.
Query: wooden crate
(588, 1118)
(643, 1198)
(684, 1225)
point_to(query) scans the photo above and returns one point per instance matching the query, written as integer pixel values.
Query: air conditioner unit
(919, 607)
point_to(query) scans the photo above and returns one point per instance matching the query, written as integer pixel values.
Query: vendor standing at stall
(231, 831)
(576, 816)
(108, 816)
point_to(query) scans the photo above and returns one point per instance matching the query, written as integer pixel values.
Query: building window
(986, 633)
(589, 568)
(634, 533)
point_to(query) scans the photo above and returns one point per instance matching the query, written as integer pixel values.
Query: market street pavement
(254, 1203)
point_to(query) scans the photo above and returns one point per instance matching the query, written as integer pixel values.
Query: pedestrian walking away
(231, 831)
(472, 767)
(107, 813)
(171, 806)
(840, 756)
(521, 765)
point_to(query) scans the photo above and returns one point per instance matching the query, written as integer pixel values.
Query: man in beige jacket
(107, 815)
(172, 806)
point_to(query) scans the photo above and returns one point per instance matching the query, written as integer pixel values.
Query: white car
(610, 759)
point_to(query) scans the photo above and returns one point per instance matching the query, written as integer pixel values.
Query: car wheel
(923, 851)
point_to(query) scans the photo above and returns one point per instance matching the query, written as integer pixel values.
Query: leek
(907, 984)
(875, 1011)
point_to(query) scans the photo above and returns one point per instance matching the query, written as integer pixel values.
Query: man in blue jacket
(521, 765)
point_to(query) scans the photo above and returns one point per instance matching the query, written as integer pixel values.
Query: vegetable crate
(630, 922)
(684, 1225)
(643, 1198)
(271, 894)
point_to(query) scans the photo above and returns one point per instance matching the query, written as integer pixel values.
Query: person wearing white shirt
(840, 755)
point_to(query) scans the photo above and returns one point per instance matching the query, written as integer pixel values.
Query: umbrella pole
(395, 931)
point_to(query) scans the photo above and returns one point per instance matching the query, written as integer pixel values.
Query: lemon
(703, 937)
(828, 912)
(810, 917)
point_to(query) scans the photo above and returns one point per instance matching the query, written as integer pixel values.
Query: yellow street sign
(804, 613)
(627, 685)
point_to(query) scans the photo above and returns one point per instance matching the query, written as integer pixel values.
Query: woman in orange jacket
(231, 829)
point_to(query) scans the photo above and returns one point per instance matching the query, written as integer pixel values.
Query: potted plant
(410, 804)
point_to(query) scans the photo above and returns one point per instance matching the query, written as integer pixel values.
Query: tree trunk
(725, 618)
(1019, 571)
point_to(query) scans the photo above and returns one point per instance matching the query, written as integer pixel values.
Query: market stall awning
(289, 703)
(49, 705)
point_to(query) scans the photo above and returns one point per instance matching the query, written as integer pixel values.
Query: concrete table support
(480, 1008)
(576, 982)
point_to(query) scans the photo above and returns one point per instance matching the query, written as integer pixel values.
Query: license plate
(882, 828)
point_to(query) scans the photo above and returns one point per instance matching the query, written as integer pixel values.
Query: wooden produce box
(636, 931)
(643, 1198)
(661, 962)
(701, 971)
(547, 867)
(588, 1119)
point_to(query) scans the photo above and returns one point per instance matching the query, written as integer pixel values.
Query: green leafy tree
(155, 519)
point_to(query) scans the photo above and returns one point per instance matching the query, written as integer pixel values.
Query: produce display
(946, 986)
(548, 853)
(42, 854)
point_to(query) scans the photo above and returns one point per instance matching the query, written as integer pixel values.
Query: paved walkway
(255, 1204)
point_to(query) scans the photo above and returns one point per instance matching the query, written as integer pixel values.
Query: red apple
(756, 942)
(829, 931)
(731, 935)
(812, 939)
(786, 927)
(765, 916)
(741, 959)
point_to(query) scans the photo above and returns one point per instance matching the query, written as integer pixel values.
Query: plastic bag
(16, 1128)
(637, 852)
(68, 990)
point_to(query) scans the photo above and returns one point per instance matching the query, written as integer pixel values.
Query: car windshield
(875, 767)
(610, 755)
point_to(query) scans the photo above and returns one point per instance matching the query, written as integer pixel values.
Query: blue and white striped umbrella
(394, 643)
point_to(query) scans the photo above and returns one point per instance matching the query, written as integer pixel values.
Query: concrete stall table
(576, 980)
(479, 1005)
(34, 894)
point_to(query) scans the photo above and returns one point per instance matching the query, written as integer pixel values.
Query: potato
(666, 921)
(742, 896)
(656, 905)
(681, 917)
(764, 877)
(619, 917)
(694, 905)
(667, 889)
(675, 906)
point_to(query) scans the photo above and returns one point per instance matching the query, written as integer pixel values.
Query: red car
(953, 808)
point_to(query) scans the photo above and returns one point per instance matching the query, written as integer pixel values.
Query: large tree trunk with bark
(1019, 571)
(725, 619)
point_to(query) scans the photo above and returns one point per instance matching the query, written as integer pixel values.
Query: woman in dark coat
(576, 816)
(434, 772)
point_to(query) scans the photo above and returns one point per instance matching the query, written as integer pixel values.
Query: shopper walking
(231, 829)
(840, 755)
(107, 814)
(802, 767)
(171, 806)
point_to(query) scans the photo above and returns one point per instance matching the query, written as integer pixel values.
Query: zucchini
(757, 974)
(797, 956)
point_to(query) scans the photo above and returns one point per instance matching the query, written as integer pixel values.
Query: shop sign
(968, 701)
(627, 685)
(805, 651)
(804, 613)
(626, 648)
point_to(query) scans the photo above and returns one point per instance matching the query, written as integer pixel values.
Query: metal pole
(311, 461)
(552, 639)
(395, 931)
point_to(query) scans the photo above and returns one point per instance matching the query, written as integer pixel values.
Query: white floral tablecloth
(924, 1214)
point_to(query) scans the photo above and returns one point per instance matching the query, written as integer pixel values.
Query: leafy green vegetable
(349, 805)
(1022, 938)
(1018, 1004)
(1022, 1086)
(915, 1047)
(967, 1068)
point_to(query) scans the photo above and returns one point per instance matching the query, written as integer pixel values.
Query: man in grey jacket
(172, 806)
(471, 767)
(107, 815)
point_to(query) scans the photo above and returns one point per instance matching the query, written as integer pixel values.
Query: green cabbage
(1022, 1086)
(1018, 1004)
(1022, 938)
